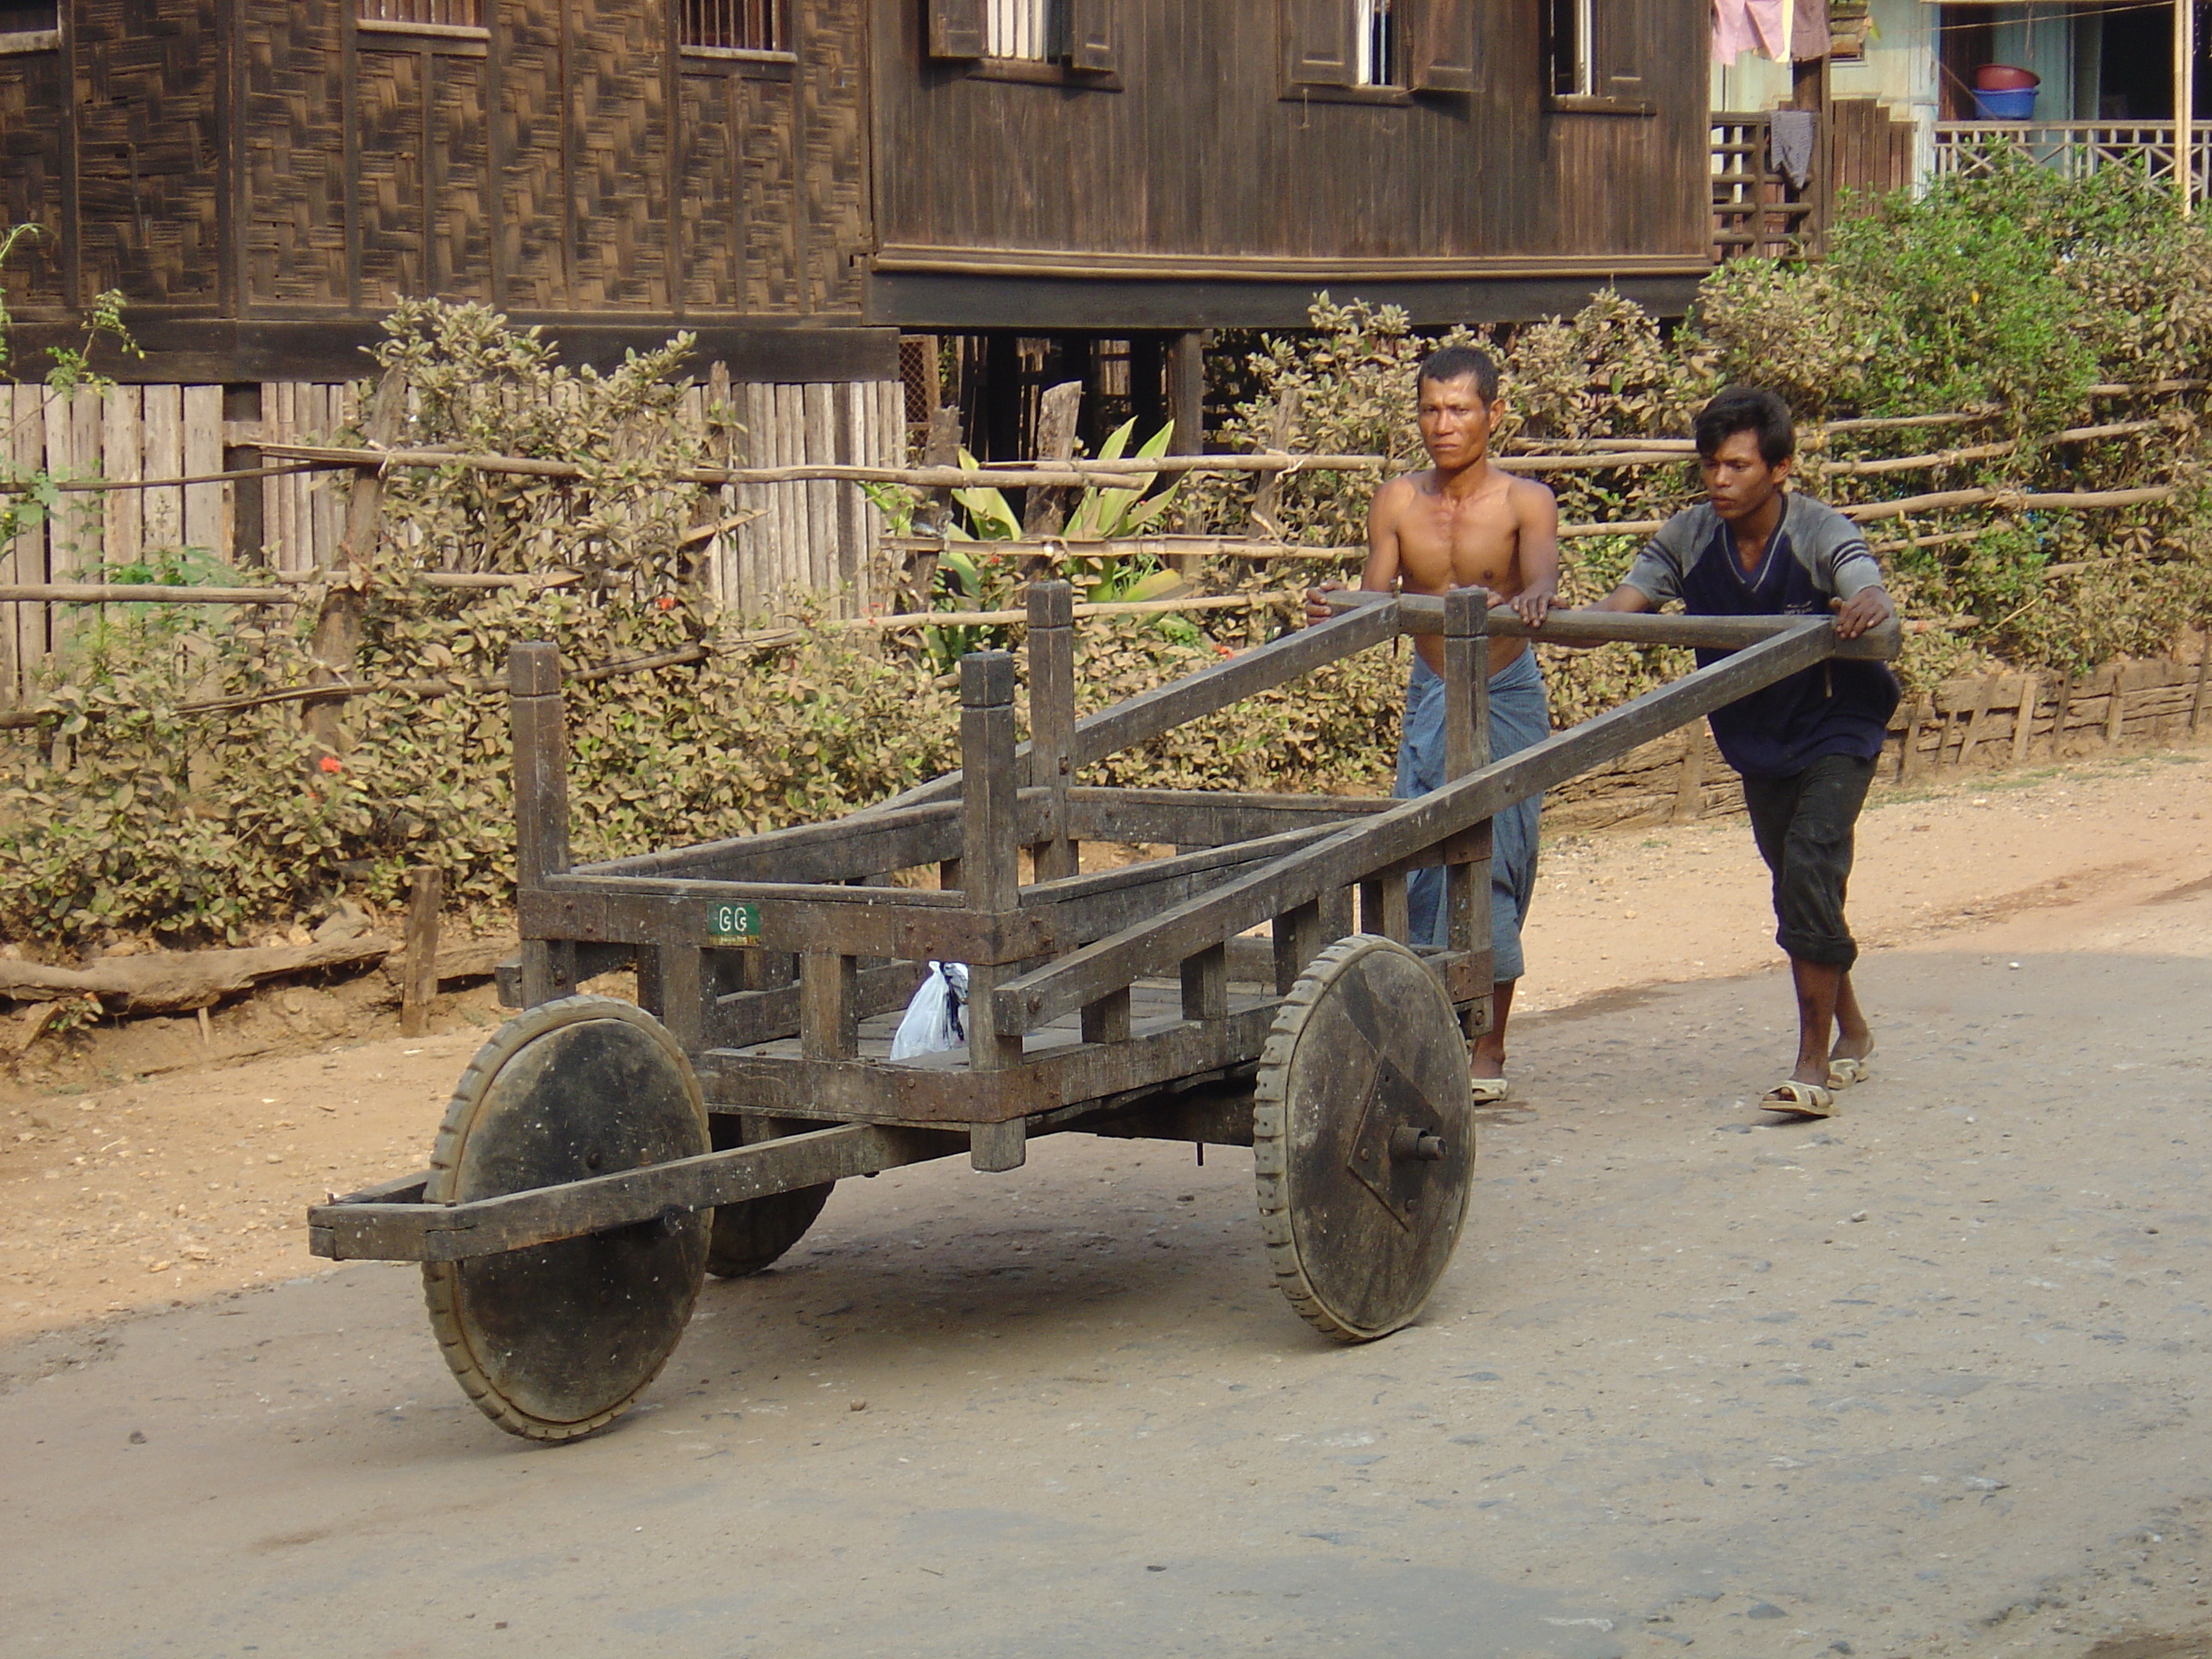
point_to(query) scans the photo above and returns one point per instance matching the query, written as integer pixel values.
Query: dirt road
(1922, 1380)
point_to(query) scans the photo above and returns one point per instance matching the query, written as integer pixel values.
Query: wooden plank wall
(819, 538)
(975, 163)
(1870, 150)
(128, 432)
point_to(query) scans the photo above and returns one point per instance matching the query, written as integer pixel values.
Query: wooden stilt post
(990, 872)
(1187, 408)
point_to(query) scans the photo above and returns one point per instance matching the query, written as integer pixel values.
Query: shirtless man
(1465, 523)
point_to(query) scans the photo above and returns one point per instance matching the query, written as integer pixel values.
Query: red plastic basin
(2003, 77)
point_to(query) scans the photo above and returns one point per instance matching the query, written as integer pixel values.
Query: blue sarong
(1520, 717)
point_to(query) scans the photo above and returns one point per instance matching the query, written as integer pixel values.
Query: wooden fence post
(1058, 411)
(337, 625)
(2023, 724)
(1690, 784)
(2062, 710)
(418, 984)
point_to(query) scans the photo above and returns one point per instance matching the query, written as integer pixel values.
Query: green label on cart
(734, 923)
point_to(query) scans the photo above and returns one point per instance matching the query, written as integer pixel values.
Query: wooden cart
(599, 1158)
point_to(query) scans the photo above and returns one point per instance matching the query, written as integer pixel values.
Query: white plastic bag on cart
(933, 1020)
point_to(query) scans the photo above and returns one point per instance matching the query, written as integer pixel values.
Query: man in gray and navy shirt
(1806, 746)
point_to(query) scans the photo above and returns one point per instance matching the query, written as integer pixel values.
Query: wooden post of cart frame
(1051, 639)
(990, 874)
(539, 726)
(1466, 748)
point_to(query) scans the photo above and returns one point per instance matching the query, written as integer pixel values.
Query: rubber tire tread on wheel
(1366, 1044)
(557, 1340)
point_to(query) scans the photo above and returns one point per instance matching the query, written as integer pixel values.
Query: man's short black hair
(1449, 364)
(1750, 409)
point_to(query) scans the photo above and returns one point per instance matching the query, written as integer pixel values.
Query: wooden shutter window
(1617, 54)
(1319, 44)
(955, 29)
(1090, 35)
(1440, 41)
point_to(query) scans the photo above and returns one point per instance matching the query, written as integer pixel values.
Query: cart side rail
(1146, 716)
(1354, 854)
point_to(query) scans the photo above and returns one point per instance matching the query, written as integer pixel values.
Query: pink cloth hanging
(1760, 26)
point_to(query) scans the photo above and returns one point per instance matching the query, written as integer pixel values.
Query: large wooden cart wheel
(750, 1235)
(1363, 1137)
(556, 1340)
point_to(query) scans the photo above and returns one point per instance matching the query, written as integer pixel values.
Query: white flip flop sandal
(1806, 1099)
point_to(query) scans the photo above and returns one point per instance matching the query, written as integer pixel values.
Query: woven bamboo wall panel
(619, 139)
(388, 191)
(293, 149)
(711, 225)
(32, 132)
(832, 67)
(567, 161)
(459, 146)
(738, 194)
(148, 145)
(533, 198)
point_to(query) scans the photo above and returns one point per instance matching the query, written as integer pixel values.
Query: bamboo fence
(298, 460)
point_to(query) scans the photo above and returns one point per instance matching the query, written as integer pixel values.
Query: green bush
(2009, 295)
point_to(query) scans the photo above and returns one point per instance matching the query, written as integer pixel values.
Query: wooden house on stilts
(1073, 187)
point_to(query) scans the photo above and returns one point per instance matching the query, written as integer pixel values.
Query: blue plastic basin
(2005, 106)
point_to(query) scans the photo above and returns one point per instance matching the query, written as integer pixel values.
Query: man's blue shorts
(1520, 717)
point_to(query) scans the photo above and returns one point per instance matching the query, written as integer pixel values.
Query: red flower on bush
(330, 763)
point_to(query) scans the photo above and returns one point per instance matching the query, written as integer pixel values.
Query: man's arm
(1536, 529)
(1633, 600)
(1379, 574)
(1853, 575)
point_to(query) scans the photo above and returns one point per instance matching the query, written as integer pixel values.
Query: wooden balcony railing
(2074, 148)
